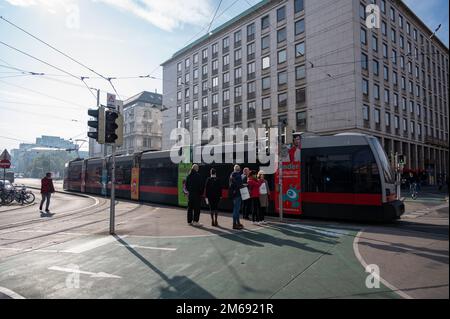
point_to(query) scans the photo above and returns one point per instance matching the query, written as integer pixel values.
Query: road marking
(10, 293)
(332, 232)
(364, 264)
(92, 244)
(92, 274)
(146, 247)
(52, 231)
(31, 250)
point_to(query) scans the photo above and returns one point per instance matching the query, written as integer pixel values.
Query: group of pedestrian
(258, 200)
(247, 189)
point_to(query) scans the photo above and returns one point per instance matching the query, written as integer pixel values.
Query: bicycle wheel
(414, 195)
(29, 198)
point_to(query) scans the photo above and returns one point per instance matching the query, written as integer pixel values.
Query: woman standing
(213, 193)
(253, 185)
(264, 194)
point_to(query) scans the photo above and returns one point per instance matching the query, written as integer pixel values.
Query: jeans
(45, 197)
(236, 208)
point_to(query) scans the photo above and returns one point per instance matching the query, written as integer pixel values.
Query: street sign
(5, 164)
(5, 156)
(110, 100)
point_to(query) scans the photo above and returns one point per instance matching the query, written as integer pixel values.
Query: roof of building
(262, 4)
(145, 97)
(220, 28)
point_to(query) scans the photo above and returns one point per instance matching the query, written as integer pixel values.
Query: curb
(62, 192)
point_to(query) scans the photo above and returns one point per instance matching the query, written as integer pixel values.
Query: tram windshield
(387, 170)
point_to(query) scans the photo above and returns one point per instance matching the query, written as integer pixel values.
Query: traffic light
(113, 128)
(98, 123)
(401, 159)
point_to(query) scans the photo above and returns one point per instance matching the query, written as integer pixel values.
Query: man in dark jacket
(235, 195)
(195, 188)
(47, 189)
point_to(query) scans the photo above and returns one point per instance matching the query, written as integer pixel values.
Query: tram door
(83, 176)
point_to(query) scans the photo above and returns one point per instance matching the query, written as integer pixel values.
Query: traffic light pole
(113, 192)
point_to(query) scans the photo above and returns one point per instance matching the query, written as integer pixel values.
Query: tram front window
(387, 170)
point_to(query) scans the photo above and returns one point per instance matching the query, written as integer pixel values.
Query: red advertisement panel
(290, 189)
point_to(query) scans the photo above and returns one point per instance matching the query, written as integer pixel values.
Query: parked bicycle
(23, 196)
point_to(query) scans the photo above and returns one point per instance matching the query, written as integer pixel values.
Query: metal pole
(280, 173)
(113, 186)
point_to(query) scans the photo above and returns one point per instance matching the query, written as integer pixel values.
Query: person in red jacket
(47, 189)
(253, 185)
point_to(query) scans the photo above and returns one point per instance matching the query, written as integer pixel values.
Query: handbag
(263, 189)
(244, 193)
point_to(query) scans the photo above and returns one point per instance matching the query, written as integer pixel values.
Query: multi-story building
(142, 123)
(318, 66)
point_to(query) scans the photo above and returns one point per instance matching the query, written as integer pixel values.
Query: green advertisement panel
(183, 172)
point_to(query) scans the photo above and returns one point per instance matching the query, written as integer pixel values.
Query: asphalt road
(155, 254)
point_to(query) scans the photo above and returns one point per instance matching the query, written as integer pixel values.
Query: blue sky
(113, 37)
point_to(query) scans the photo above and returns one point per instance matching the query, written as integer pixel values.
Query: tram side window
(366, 176)
(75, 174)
(328, 173)
(158, 172)
(123, 174)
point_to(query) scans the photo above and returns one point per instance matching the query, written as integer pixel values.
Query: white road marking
(332, 232)
(146, 247)
(10, 293)
(92, 245)
(92, 274)
(52, 231)
(364, 264)
(31, 250)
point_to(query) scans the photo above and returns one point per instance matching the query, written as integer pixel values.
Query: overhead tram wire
(51, 65)
(214, 16)
(64, 54)
(46, 95)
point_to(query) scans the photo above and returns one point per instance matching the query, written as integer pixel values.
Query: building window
(364, 61)
(386, 73)
(237, 92)
(226, 78)
(300, 96)
(251, 110)
(386, 96)
(215, 48)
(299, 27)
(281, 14)
(205, 120)
(251, 32)
(225, 43)
(187, 63)
(205, 54)
(282, 100)
(265, 62)
(298, 6)
(365, 87)
(195, 58)
(375, 43)
(226, 115)
(300, 49)
(266, 103)
(282, 78)
(301, 121)
(237, 113)
(226, 96)
(282, 56)
(251, 51)
(215, 118)
(226, 60)
(237, 37)
(251, 69)
(179, 67)
(376, 116)
(265, 42)
(366, 113)
(215, 82)
(396, 122)
(392, 14)
(300, 72)
(237, 75)
(376, 67)
(363, 36)
(251, 89)
(266, 83)
(387, 119)
(265, 22)
(376, 91)
(281, 35)
(187, 109)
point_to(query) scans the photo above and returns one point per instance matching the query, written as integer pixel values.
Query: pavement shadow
(178, 286)
(437, 255)
(259, 239)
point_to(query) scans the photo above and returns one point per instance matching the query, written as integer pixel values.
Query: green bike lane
(296, 260)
